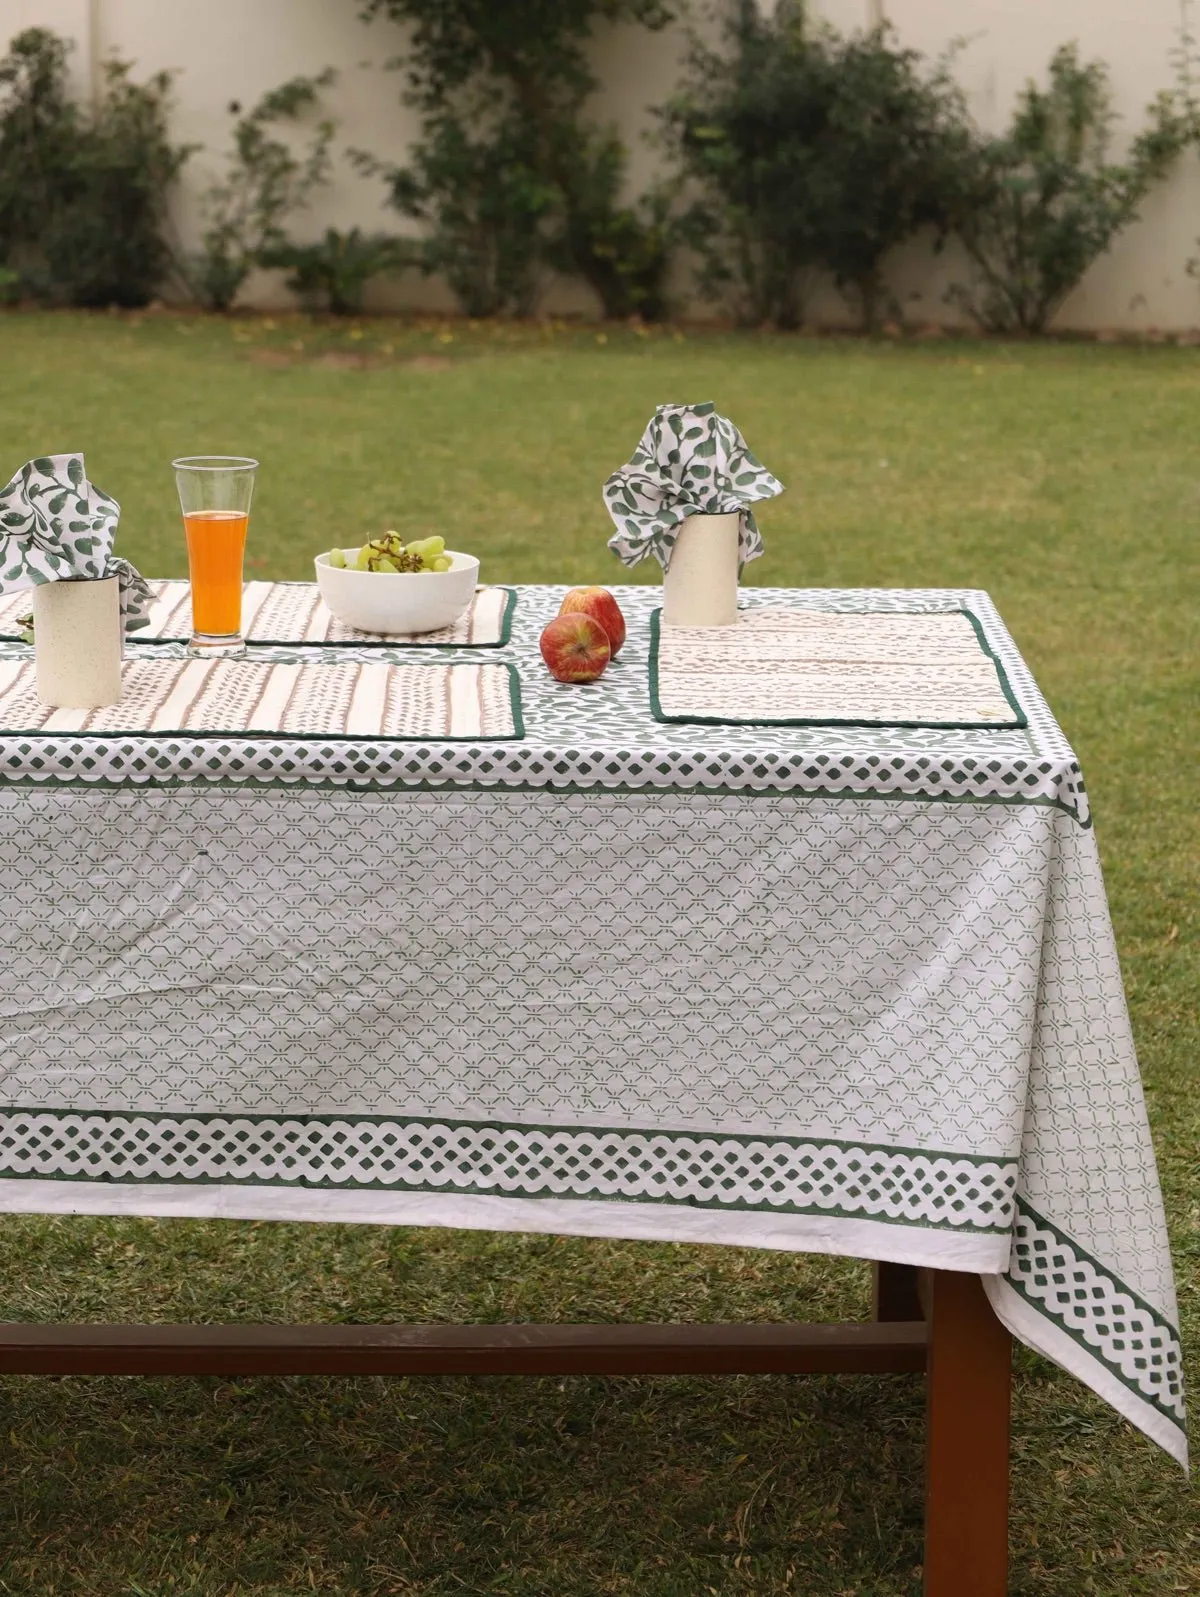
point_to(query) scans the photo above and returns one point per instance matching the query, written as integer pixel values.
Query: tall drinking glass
(214, 495)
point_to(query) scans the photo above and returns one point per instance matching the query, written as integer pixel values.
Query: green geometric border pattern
(1018, 721)
(774, 1175)
(1074, 1291)
(173, 761)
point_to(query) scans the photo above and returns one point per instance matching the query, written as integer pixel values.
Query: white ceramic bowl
(398, 601)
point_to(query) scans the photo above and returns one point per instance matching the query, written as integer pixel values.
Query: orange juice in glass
(214, 495)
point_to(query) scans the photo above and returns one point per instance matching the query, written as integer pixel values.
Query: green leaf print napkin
(55, 526)
(690, 461)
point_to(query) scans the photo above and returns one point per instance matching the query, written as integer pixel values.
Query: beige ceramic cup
(77, 643)
(700, 586)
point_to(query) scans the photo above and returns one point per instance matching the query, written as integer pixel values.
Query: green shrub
(621, 251)
(509, 174)
(812, 151)
(83, 198)
(333, 273)
(105, 244)
(38, 133)
(1047, 199)
(483, 204)
(745, 129)
(898, 151)
(265, 182)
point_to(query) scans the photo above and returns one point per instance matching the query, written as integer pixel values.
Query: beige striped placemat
(293, 612)
(311, 699)
(801, 667)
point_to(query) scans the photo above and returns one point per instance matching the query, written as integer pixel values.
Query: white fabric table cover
(841, 989)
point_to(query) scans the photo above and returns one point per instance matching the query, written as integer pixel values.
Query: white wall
(226, 50)
(231, 51)
(66, 17)
(1143, 283)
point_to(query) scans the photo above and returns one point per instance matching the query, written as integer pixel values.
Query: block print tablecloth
(829, 988)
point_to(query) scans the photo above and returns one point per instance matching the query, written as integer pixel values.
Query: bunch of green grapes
(390, 554)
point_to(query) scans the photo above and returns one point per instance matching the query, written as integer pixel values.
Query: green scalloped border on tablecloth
(1019, 721)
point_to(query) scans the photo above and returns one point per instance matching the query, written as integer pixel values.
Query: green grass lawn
(1064, 479)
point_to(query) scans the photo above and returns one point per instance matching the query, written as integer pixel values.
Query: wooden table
(938, 1321)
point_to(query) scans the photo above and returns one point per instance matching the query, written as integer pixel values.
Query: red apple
(602, 607)
(575, 647)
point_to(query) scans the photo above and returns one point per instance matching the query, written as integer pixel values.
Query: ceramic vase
(78, 643)
(700, 586)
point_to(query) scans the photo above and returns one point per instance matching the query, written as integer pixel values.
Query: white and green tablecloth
(848, 989)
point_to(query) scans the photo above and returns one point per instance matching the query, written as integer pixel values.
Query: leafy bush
(483, 203)
(621, 251)
(508, 174)
(265, 183)
(899, 161)
(38, 137)
(1047, 199)
(333, 273)
(809, 150)
(105, 244)
(535, 50)
(495, 222)
(745, 128)
(83, 198)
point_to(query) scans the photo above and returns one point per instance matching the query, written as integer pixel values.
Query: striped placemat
(809, 667)
(293, 612)
(309, 699)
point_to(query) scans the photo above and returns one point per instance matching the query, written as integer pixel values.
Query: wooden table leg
(894, 1292)
(966, 1480)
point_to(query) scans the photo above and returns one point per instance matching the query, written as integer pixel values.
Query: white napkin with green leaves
(691, 461)
(56, 526)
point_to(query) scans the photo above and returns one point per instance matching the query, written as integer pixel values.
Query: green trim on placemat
(514, 699)
(1019, 720)
(510, 604)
